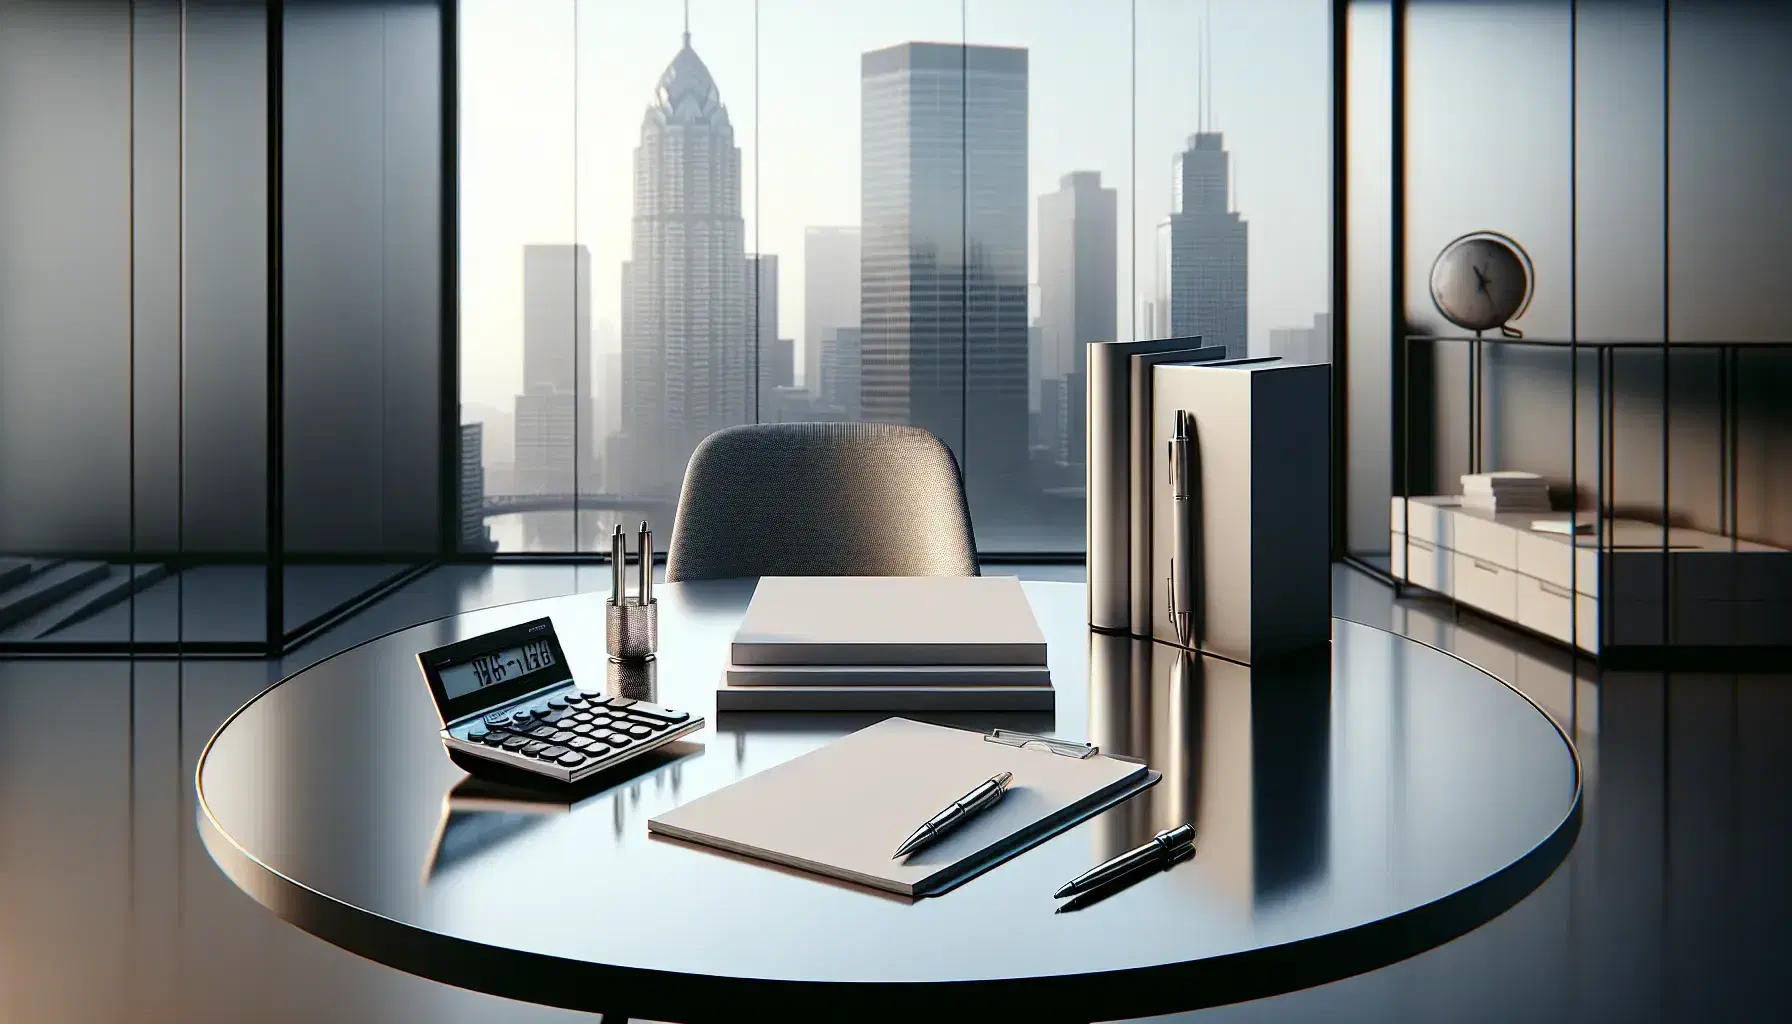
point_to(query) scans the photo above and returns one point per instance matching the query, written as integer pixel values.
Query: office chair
(821, 499)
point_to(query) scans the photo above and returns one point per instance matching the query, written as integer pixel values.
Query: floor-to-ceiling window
(676, 218)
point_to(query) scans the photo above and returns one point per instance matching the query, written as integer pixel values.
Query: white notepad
(889, 620)
(842, 810)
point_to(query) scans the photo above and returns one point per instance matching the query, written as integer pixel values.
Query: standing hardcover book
(842, 810)
(1260, 506)
(1140, 442)
(1108, 475)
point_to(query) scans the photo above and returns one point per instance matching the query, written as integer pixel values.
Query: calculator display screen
(501, 666)
(481, 672)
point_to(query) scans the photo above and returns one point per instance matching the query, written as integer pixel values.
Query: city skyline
(975, 294)
(793, 116)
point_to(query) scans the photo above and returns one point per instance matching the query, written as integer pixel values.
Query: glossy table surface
(1349, 814)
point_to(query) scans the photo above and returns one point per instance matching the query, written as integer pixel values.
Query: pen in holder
(631, 624)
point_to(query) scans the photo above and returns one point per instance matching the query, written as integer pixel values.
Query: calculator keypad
(572, 730)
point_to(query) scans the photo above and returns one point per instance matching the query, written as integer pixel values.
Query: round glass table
(1351, 810)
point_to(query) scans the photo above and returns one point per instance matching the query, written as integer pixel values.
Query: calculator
(507, 700)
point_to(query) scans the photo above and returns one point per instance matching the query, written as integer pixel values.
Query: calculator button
(570, 759)
(602, 720)
(521, 716)
(534, 747)
(491, 737)
(477, 735)
(580, 742)
(614, 739)
(583, 716)
(555, 716)
(595, 699)
(663, 714)
(620, 702)
(557, 702)
(639, 732)
(542, 732)
(583, 728)
(563, 735)
(648, 722)
(497, 718)
(549, 753)
(516, 742)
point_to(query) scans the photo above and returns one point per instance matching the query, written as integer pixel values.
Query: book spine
(1108, 488)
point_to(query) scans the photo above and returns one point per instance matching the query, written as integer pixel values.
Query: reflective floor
(1671, 907)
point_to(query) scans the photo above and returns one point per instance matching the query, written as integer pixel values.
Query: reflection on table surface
(479, 815)
(1245, 755)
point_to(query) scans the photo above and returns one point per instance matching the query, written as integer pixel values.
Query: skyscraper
(830, 293)
(686, 319)
(762, 306)
(557, 450)
(841, 367)
(1304, 344)
(548, 460)
(1207, 249)
(943, 276)
(1078, 232)
(474, 534)
(557, 317)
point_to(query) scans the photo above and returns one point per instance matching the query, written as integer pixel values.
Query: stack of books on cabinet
(1596, 593)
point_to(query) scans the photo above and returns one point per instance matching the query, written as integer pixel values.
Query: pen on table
(1162, 846)
(1121, 883)
(1182, 590)
(956, 814)
(646, 556)
(618, 566)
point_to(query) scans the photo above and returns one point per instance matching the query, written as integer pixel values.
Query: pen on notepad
(956, 814)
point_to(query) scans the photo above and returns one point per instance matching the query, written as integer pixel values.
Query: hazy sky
(553, 91)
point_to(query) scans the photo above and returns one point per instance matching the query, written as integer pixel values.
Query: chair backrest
(821, 499)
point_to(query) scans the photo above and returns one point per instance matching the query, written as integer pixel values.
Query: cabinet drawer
(1488, 540)
(1548, 557)
(1420, 563)
(1427, 520)
(1545, 608)
(1489, 587)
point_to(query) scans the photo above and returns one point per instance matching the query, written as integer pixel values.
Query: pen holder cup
(631, 630)
(636, 680)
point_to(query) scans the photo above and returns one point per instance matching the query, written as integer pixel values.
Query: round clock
(1482, 281)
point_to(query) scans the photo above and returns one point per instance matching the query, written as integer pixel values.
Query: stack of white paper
(874, 643)
(1505, 491)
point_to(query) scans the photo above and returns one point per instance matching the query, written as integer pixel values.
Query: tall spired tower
(686, 342)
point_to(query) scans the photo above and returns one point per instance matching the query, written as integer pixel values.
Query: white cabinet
(1717, 591)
